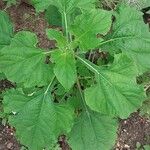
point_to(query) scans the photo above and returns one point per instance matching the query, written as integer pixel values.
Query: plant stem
(85, 78)
(94, 70)
(49, 52)
(66, 26)
(46, 91)
(86, 108)
(87, 64)
(115, 39)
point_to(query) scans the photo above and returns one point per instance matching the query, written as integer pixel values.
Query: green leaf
(93, 131)
(14, 101)
(24, 63)
(65, 68)
(131, 36)
(145, 109)
(115, 89)
(88, 25)
(2, 76)
(75, 101)
(6, 30)
(53, 16)
(40, 5)
(60, 91)
(86, 4)
(58, 36)
(147, 147)
(67, 6)
(38, 121)
(24, 39)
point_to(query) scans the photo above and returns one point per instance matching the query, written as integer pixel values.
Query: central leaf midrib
(38, 119)
(91, 124)
(115, 88)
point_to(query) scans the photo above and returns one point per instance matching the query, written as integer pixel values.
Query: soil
(135, 129)
(7, 139)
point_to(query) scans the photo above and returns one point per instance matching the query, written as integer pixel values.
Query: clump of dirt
(4, 84)
(7, 139)
(63, 143)
(135, 129)
(2, 5)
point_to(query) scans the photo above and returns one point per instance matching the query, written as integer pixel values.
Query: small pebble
(9, 145)
(11, 133)
(124, 130)
(126, 146)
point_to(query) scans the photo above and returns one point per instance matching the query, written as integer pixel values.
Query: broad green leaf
(6, 29)
(75, 101)
(58, 36)
(60, 91)
(145, 109)
(24, 39)
(41, 5)
(88, 25)
(14, 101)
(65, 68)
(67, 6)
(93, 131)
(115, 89)
(131, 36)
(25, 64)
(147, 147)
(38, 121)
(53, 16)
(2, 76)
(86, 4)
